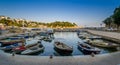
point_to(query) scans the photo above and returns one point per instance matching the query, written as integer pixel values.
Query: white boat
(62, 48)
(101, 43)
(19, 49)
(86, 40)
(95, 37)
(33, 50)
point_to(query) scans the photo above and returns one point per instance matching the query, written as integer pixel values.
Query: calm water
(72, 40)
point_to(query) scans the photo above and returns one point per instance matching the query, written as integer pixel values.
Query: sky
(81, 12)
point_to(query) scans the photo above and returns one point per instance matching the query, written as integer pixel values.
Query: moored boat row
(61, 48)
(96, 41)
(25, 43)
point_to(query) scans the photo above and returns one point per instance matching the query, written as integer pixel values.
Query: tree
(108, 22)
(116, 17)
(14, 22)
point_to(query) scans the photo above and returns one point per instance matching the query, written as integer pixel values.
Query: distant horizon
(82, 12)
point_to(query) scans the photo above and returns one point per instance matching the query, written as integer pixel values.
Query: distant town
(7, 21)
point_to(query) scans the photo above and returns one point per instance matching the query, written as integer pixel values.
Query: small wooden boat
(101, 43)
(19, 49)
(62, 48)
(30, 45)
(94, 37)
(81, 36)
(23, 36)
(87, 49)
(33, 50)
(84, 36)
(86, 40)
(47, 39)
(14, 38)
(32, 41)
(10, 47)
(9, 42)
(38, 38)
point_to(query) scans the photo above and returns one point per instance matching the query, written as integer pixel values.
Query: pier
(112, 36)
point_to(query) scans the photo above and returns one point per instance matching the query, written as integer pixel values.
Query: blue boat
(10, 47)
(23, 35)
(14, 38)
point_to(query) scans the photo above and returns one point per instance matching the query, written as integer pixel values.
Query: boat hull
(87, 52)
(62, 48)
(10, 42)
(63, 52)
(104, 46)
(33, 50)
(9, 47)
(26, 52)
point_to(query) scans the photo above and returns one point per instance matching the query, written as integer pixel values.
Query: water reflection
(72, 39)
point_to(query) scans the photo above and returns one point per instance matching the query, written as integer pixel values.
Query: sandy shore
(102, 59)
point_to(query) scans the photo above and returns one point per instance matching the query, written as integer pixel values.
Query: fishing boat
(101, 43)
(43, 34)
(84, 36)
(38, 38)
(19, 49)
(23, 35)
(14, 38)
(9, 42)
(10, 47)
(62, 48)
(33, 50)
(94, 37)
(87, 49)
(47, 39)
(81, 36)
(50, 31)
(86, 40)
